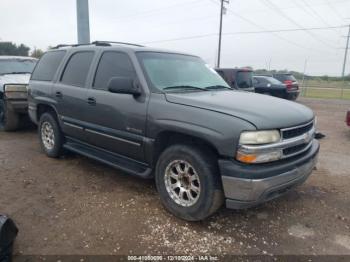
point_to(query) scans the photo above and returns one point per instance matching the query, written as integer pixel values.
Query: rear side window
(113, 64)
(47, 66)
(285, 77)
(77, 69)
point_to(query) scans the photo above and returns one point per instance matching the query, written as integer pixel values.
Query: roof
(235, 69)
(263, 76)
(3, 57)
(120, 46)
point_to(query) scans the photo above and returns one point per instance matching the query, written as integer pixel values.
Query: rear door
(117, 122)
(71, 93)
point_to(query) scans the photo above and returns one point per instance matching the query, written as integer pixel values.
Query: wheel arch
(167, 138)
(42, 108)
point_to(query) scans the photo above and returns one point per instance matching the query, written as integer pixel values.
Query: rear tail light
(348, 118)
(288, 83)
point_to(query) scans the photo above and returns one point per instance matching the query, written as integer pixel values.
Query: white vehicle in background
(15, 73)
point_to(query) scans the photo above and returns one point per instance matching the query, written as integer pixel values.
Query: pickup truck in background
(15, 72)
(237, 78)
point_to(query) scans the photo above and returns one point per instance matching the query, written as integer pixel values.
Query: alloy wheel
(47, 135)
(182, 183)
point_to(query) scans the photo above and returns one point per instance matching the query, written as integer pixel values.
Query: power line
(295, 7)
(314, 12)
(284, 15)
(247, 33)
(259, 26)
(263, 28)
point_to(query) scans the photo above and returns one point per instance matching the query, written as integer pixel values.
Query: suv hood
(265, 112)
(14, 79)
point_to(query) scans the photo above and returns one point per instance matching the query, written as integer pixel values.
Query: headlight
(259, 137)
(254, 147)
(14, 91)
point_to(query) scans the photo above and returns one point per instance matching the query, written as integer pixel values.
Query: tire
(294, 97)
(202, 165)
(50, 136)
(9, 120)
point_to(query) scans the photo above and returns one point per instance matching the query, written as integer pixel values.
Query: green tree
(37, 53)
(9, 48)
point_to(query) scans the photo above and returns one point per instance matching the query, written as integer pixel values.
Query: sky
(192, 26)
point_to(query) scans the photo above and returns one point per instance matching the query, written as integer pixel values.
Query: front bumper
(249, 185)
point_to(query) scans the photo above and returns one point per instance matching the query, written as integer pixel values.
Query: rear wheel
(50, 135)
(9, 120)
(187, 180)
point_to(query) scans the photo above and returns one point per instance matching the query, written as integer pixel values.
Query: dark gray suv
(169, 116)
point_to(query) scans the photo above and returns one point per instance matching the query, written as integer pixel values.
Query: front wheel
(187, 180)
(9, 120)
(50, 135)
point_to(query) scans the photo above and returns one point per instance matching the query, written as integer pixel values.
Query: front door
(116, 121)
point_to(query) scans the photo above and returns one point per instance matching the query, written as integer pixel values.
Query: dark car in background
(237, 78)
(271, 86)
(289, 80)
(15, 72)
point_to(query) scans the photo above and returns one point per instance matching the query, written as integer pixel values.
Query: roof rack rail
(97, 43)
(59, 46)
(108, 43)
(67, 45)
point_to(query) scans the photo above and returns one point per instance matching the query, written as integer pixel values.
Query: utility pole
(346, 53)
(222, 12)
(302, 82)
(83, 25)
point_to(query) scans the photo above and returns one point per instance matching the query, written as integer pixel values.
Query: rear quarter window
(47, 66)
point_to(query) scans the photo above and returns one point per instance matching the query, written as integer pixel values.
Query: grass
(325, 84)
(331, 93)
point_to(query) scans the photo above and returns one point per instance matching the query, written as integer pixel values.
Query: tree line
(9, 48)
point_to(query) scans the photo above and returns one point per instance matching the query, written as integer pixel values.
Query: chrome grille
(297, 139)
(293, 132)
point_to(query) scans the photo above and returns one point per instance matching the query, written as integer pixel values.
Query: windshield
(174, 71)
(16, 66)
(244, 79)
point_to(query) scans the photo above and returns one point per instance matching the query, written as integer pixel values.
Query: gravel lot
(75, 205)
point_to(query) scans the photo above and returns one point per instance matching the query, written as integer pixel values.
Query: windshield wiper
(15, 73)
(217, 87)
(184, 87)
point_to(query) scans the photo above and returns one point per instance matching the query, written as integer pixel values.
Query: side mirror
(123, 85)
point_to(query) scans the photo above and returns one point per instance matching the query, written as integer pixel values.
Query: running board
(116, 161)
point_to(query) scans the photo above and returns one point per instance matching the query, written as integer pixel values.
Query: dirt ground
(75, 205)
